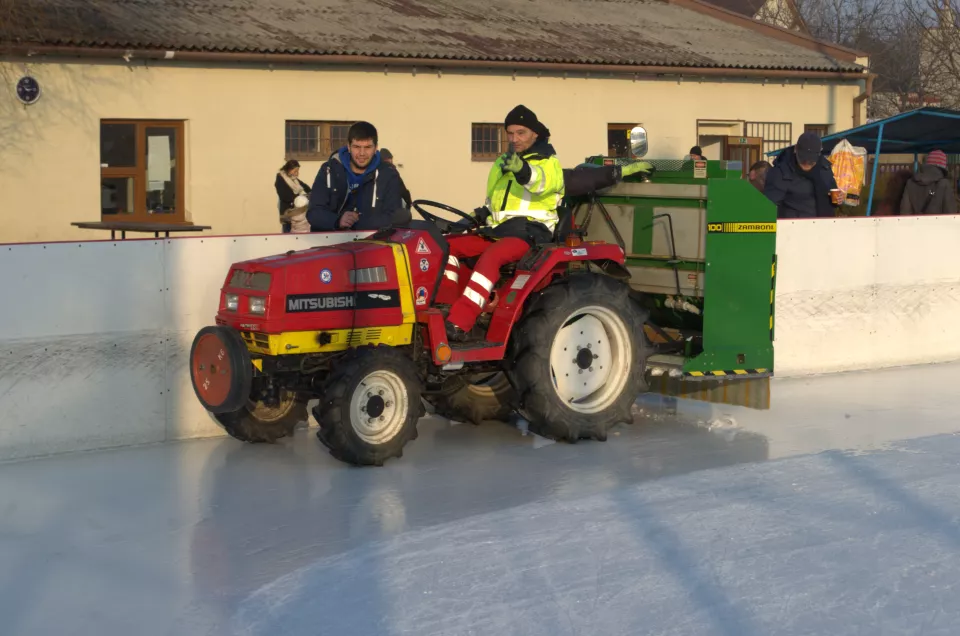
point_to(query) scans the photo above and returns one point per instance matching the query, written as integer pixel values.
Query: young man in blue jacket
(354, 189)
(800, 181)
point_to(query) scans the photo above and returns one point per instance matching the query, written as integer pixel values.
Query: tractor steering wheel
(444, 225)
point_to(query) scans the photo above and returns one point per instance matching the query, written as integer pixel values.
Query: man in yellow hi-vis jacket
(524, 190)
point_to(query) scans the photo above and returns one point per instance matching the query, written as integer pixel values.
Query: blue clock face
(28, 90)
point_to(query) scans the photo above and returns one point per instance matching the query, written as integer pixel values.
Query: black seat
(565, 225)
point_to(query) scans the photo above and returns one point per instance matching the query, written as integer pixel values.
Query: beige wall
(49, 162)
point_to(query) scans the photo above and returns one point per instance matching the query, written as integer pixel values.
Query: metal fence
(776, 135)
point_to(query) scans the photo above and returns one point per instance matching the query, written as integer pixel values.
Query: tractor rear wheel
(369, 406)
(259, 423)
(579, 355)
(476, 398)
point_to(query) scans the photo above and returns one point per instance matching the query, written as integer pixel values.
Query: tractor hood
(334, 287)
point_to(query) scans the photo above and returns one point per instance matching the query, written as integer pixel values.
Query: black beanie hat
(523, 116)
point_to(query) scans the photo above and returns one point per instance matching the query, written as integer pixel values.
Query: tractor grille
(258, 340)
(360, 336)
(257, 281)
(368, 275)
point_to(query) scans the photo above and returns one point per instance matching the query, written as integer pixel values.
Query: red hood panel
(320, 288)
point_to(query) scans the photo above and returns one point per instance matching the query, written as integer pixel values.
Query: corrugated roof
(744, 7)
(629, 32)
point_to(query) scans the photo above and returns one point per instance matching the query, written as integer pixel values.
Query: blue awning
(914, 132)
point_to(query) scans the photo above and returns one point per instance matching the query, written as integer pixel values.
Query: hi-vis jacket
(538, 199)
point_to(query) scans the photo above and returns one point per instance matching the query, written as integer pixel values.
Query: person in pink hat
(930, 191)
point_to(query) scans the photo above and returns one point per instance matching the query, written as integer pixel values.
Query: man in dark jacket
(930, 191)
(800, 181)
(354, 190)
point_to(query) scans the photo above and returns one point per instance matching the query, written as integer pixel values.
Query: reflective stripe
(536, 177)
(455, 277)
(474, 297)
(452, 260)
(482, 280)
(525, 200)
(536, 174)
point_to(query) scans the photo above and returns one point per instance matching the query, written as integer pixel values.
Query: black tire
(475, 398)
(261, 424)
(396, 386)
(222, 387)
(532, 373)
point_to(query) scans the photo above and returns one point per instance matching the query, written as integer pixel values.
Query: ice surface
(836, 512)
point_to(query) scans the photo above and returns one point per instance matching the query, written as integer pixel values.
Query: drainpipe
(862, 97)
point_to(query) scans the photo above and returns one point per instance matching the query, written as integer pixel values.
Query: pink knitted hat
(937, 158)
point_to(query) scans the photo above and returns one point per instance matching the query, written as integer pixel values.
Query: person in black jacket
(930, 191)
(387, 157)
(800, 181)
(354, 189)
(289, 187)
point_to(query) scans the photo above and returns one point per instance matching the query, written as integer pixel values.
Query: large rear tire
(475, 398)
(259, 423)
(578, 358)
(369, 406)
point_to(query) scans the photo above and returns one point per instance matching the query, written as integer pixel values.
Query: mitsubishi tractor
(572, 334)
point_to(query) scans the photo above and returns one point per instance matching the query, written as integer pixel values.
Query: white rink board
(60, 289)
(94, 336)
(856, 294)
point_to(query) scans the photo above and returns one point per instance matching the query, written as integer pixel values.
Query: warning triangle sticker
(422, 247)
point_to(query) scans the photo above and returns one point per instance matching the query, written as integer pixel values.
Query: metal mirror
(638, 141)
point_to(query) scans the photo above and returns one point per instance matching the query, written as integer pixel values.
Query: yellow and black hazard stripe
(773, 287)
(723, 374)
(741, 228)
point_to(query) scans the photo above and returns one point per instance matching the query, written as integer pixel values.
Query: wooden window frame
(825, 128)
(138, 173)
(485, 156)
(323, 135)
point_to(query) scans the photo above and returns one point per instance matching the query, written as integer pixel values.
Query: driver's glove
(633, 168)
(512, 162)
(482, 214)
(518, 166)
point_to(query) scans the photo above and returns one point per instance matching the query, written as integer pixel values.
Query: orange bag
(848, 163)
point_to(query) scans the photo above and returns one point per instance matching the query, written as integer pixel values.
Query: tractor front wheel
(260, 423)
(579, 356)
(370, 406)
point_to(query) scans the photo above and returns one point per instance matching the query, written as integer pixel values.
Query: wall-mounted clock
(28, 90)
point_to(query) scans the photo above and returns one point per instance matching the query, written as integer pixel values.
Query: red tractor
(355, 325)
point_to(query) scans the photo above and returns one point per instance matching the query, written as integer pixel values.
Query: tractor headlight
(258, 305)
(232, 302)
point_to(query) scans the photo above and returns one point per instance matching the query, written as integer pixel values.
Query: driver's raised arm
(539, 175)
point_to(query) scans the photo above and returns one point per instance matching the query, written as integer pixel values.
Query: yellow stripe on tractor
(300, 342)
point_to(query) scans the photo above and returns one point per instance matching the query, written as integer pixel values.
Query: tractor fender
(535, 274)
